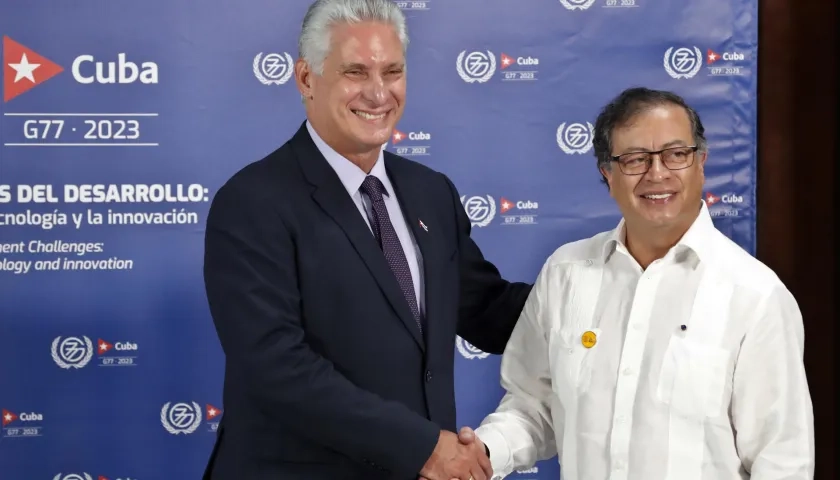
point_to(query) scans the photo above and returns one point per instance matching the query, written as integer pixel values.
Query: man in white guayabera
(660, 349)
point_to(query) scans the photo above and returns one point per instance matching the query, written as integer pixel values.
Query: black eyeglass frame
(649, 162)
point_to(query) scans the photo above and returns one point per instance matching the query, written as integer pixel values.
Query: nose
(375, 90)
(658, 170)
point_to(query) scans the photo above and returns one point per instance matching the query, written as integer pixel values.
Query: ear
(608, 177)
(303, 78)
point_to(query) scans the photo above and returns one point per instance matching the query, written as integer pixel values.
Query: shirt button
(628, 371)
(428, 375)
(619, 419)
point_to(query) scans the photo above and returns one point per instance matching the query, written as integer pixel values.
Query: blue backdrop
(121, 119)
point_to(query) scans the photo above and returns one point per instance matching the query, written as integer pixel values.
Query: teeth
(368, 116)
(658, 197)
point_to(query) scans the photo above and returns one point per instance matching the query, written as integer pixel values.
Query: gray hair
(314, 40)
(627, 105)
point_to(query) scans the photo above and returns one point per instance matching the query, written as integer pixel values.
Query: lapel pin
(423, 225)
(588, 339)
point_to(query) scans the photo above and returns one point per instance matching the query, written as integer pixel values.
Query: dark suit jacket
(326, 374)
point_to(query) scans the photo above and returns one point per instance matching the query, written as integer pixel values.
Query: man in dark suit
(338, 276)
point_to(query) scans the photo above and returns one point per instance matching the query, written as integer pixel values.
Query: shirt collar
(696, 239)
(349, 173)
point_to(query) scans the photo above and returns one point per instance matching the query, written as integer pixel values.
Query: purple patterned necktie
(390, 243)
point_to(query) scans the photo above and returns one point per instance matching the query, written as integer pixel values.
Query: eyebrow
(672, 143)
(349, 66)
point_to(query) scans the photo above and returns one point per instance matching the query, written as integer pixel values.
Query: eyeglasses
(638, 163)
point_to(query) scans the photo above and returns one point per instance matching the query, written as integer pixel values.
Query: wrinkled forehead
(368, 44)
(653, 128)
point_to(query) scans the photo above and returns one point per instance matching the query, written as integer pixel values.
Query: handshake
(458, 457)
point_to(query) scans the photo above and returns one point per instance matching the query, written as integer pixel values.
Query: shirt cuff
(500, 455)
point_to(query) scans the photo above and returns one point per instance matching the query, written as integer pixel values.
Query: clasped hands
(458, 457)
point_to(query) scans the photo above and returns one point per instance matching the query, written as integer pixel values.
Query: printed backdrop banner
(120, 120)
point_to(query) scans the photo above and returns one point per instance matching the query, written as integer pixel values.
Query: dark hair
(627, 105)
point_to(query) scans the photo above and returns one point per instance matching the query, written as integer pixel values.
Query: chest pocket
(693, 378)
(695, 368)
(572, 339)
(574, 359)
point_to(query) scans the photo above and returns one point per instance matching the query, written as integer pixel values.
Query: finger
(478, 474)
(466, 435)
(476, 471)
(465, 474)
(485, 465)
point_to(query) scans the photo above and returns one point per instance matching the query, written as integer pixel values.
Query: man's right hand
(453, 460)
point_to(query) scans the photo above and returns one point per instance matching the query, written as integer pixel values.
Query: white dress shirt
(351, 177)
(724, 398)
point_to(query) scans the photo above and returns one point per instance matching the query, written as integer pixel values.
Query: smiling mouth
(369, 116)
(657, 196)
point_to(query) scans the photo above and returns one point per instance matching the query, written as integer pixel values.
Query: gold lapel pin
(588, 339)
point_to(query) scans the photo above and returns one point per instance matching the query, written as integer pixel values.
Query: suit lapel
(332, 197)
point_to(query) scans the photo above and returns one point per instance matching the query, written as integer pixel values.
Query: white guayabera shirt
(600, 371)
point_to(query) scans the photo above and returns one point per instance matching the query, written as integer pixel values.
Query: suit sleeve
(489, 305)
(251, 282)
